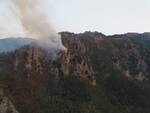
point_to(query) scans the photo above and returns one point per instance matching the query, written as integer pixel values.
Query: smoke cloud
(35, 22)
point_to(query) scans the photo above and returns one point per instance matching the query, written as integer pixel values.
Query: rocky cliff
(6, 106)
(94, 74)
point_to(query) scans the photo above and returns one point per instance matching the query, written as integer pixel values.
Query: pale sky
(106, 16)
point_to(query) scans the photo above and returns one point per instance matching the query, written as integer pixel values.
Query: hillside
(96, 74)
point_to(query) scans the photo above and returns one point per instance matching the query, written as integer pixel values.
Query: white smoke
(35, 22)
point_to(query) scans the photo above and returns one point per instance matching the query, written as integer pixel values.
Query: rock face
(95, 74)
(126, 53)
(6, 106)
(72, 61)
(76, 65)
(131, 58)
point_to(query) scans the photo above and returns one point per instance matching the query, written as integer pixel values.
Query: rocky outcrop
(71, 61)
(85, 50)
(6, 106)
(76, 64)
(40, 81)
(131, 60)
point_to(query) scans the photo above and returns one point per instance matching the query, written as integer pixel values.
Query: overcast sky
(106, 16)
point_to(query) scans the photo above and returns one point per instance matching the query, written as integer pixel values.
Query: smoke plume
(35, 22)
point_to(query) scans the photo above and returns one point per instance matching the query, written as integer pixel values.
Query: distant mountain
(10, 44)
(96, 74)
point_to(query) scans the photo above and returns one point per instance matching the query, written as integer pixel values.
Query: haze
(106, 16)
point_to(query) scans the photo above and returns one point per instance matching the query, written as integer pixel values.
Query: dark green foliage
(6, 66)
(135, 95)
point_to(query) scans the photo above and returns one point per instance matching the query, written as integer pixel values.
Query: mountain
(10, 44)
(96, 74)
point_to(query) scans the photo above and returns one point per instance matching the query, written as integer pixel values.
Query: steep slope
(6, 106)
(96, 74)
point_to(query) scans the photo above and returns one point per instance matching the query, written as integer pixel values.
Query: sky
(106, 16)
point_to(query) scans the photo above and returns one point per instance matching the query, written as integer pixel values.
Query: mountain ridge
(10, 44)
(96, 74)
